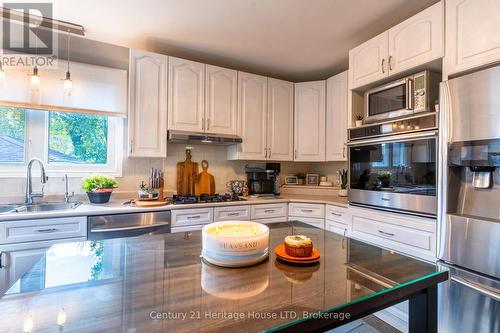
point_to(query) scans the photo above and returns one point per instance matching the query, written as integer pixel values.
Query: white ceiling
(298, 40)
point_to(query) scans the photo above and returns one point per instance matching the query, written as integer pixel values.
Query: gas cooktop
(204, 198)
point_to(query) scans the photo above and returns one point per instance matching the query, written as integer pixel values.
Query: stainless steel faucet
(29, 188)
(67, 196)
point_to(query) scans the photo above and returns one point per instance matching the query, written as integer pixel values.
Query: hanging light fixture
(35, 78)
(68, 84)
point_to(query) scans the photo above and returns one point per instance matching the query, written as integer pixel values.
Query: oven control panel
(414, 124)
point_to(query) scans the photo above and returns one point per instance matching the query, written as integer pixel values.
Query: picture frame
(312, 179)
(291, 180)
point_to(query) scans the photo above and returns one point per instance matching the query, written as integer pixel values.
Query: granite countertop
(159, 284)
(116, 206)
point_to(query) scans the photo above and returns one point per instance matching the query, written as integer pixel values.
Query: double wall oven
(393, 165)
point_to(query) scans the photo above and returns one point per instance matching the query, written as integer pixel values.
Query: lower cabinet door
(269, 211)
(195, 216)
(336, 227)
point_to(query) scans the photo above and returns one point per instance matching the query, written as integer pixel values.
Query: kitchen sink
(47, 207)
(9, 208)
(39, 207)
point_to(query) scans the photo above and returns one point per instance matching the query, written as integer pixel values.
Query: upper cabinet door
(472, 38)
(221, 100)
(186, 95)
(252, 117)
(309, 121)
(147, 122)
(418, 40)
(336, 117)
(368, 61)
(280, 115)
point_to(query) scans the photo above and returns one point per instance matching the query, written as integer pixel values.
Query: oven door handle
(395, 138)
(477, 287)
(135, 227)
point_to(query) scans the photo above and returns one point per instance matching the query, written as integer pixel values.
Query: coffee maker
(264, 181)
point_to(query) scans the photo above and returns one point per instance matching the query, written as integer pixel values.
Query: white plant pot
(343, 193)
(359, 123)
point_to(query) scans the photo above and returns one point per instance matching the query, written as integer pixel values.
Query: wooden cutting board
(205, 183)
(153, 203)
(187, 173)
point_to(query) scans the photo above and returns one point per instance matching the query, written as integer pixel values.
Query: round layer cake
(298, 246)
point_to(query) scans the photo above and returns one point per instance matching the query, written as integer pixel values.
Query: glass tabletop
(159, 284)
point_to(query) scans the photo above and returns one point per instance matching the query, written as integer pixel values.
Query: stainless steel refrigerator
(469, 203)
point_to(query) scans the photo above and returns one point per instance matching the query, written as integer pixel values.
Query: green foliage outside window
(12, 122)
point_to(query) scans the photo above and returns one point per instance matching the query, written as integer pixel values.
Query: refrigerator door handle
(489, 292)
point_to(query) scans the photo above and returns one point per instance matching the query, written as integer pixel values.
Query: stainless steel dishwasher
(128, 225)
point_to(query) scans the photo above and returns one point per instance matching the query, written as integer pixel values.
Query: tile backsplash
(136, 170)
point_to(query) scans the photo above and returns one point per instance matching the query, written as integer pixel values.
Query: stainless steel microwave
(403, 97)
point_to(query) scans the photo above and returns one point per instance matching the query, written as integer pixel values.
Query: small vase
(343, 192)
(359, 123)
(99, 197)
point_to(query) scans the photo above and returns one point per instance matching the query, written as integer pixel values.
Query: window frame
(37, 128)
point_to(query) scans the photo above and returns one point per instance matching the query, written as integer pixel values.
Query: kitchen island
(159, 284)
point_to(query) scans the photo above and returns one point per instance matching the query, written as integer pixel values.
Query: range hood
(202, 138)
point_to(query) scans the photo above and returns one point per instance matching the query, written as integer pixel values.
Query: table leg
(423, 312)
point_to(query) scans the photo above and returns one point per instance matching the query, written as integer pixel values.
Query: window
(12, 135)
(72, 143)
(77, 138)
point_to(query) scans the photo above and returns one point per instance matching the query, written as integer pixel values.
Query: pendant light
(68, 84)
(35, 78)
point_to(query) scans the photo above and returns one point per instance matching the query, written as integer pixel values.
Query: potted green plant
(343, 183)
(301, 177)
(359, 120)
(99, 188)
(385, 178)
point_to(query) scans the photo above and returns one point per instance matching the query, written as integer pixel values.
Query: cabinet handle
(3, 259)
(336, 214)
(389, 62)
(343, 152)
(265, 153)
(383, 62)
(233, 214)
(131, 145)
(306, 210)
(268, 211)
(208, 124)
(295, 154)
(47, 231)
(194, 217)
(269, 154)
(385, 199)
(386, 233)
(345, 231)
(203, 124)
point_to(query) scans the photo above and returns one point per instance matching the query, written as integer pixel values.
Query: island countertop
(160, 284)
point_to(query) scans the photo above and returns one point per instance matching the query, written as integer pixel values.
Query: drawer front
(184, 217)
(337, 214)
(269, 211)
(392, 233)
(42, 229)
(307, 210)
(232, 213)
(315, 222)
(336, 227)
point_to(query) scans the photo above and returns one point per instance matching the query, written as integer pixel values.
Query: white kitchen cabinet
(147, 122)
(37, 230)
(368, 61)
(337, 119)
(417, 40)
(280, 120)
(232, 213)
(309, 121)
(269, 211)
(299, 209)
(221, 97)
(472, 38)
(315, 222)
(186, 95)
(414, 236)
(194, 216)
(338, 214)
(252, 118)
(336, 227)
